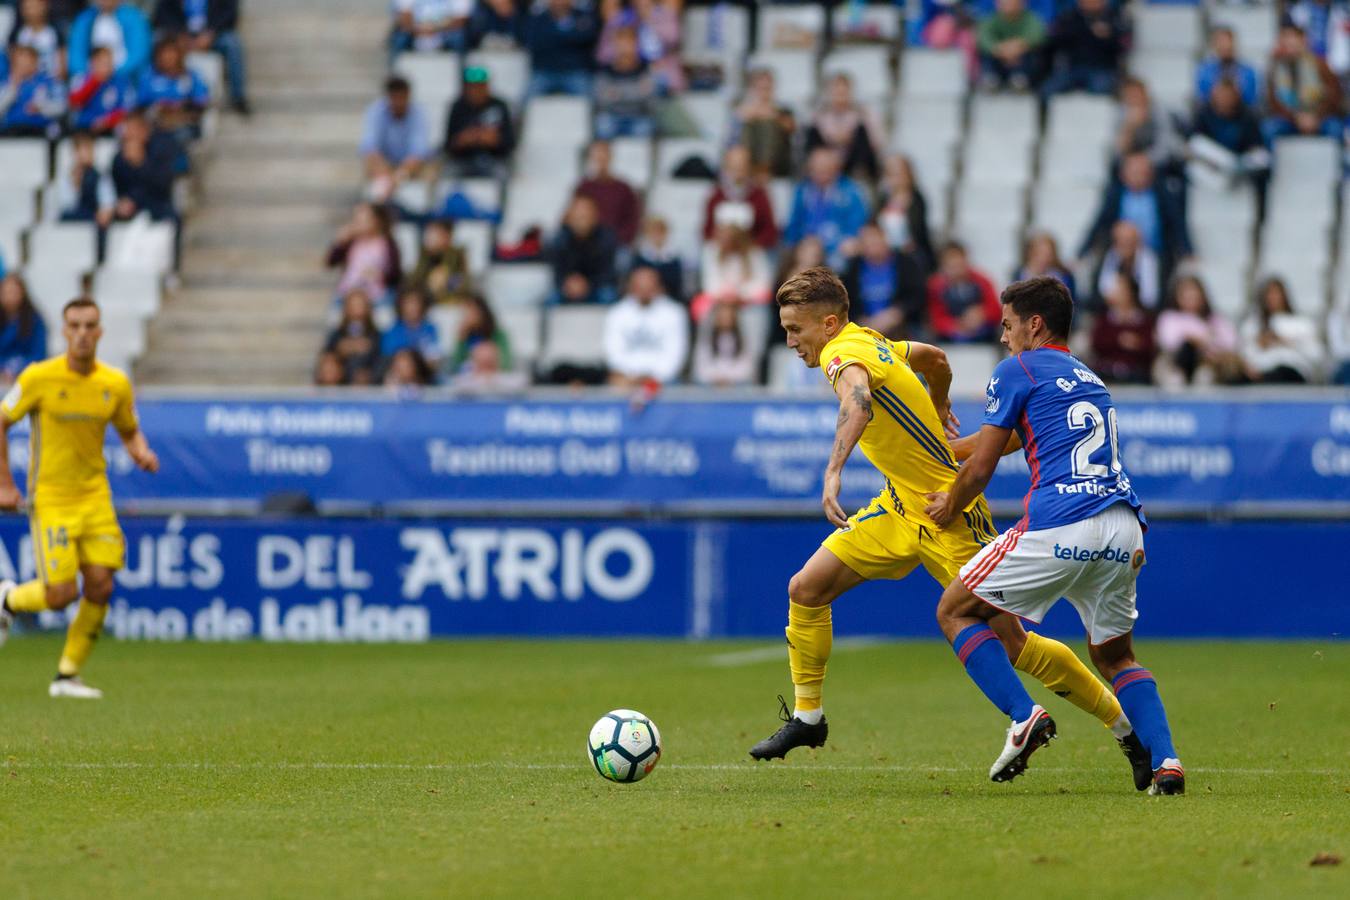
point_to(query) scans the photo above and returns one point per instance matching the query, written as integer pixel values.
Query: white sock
(809, 716)
(1121, 727)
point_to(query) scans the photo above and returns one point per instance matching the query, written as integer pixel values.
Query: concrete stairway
(251, 306)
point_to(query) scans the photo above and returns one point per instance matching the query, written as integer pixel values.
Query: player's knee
(803, 593)
(59, 596)
(98, 589)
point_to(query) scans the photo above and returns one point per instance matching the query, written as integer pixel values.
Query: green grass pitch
(457, 769)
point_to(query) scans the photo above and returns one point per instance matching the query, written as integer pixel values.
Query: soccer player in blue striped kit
(1082, 537)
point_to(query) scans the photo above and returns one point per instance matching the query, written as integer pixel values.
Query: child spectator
(117, 25)
(733, 269)
(963, 306)
(355, 339)
(485, 371)
(85, 194)
(412, 329)
(654, 251)
(886, 288)
(903, 215)
(827, 205)
(407, 370)
(23, 334)
(442, 270)
(646, 334)
(1040, 257)
(765, 127)
(736, 186)
(1009, 42)
(1278, 345)
(1122, 336)
(616, 202)
(329, 370)
(560, 38)
(848, 128)
(209, 25)
(366, 252)
(394, 139)
(100, 98)
(1196, 344)
(478, 326)
(723, 358)
(174, 94)
(479, 135)
(583, 255)
(31, 103)
(625, 92)
(1302, 94)
(34, 29)
(143, 171)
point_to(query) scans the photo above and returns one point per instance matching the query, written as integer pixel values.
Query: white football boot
(6, 617)
(1024, 739)
(74, 688)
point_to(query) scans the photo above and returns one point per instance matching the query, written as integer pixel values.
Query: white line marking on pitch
(779, 652)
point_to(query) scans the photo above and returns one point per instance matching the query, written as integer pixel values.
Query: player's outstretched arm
(855, 411)
(139, 449)
(931, 362)
(10, 498)
(964, 446)
(973, 477)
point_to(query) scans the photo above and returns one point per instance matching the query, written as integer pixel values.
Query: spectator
(355, 339)
(827, 205)
(1196, 344)
(846, 126)
(657, 27)
(31, 103)
(100, 98)
(625, 92)
(1040, 257)
(478, 326)
(23, 334)
(616, 202)
(1122, 336)
(654, 251)
(736, 186)
(963, 306)
(442, 269)
(143, 171)
(329, 370)
(407, 370)
(1130, 255)
(497, 25)
(733, 269)
(34, 29)
(485, 371)
(174, 94)
(1145, 127)
(412, 329)
(646, 334)
(903, 215)
(560, 39)
(210, 25)
(1086, 46)
(479, 135)
(1140, 198)
(807, 253)
(1009, 42)
(1302, 94)
(117, 25)
(886, 288)
(394, 139)
(1278, 345)
(1327, 25)
(765, 127)
(1338, 337)
(366, 252)
(1227, 144)
(1223, 64)
(84, 194)
(431, 25)
(583, 256)
(723, 358)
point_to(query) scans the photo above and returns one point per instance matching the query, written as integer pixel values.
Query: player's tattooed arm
(855, 411)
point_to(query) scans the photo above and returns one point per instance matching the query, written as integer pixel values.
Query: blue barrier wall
(344, 580)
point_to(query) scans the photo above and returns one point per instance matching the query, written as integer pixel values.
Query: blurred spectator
(210, 25)
(23, 334)
(950, 24)
(646, 334)
(478, 327)
(903, 215)
(33, 28)
(100, 98)
(617, 204)
(1140, 198)
(1223, 64)
(143, 171)
(807, 253)
(1278, 345)
(1128, 253)
(1122, 336)
(849, 128)
(394, 139)
(1302, 94)
(733, 269)
(430, 25)
(64, 12)
(625, 92)
(736, 186)
(479, 135)
(722, 356)
(485, 371)
(657, 27)
(174, 94)
(583, 256)
(117, 25)
(1086, 45)
(654, 250)
(442, 269)
(827, 205)
(765, 127)
(963, 306)
(1196, 344)
(407, 369)
(329, 370)
(886, 288)
(85, 194)
(1009, 42)
(1227, 144)
(560, 38)
(412, 329)
(355, 340)
(1040, 257)
(31, 102)
(1145, 127)
(1338, 338)
(1327, 25)
(497, 24)
(366, 252)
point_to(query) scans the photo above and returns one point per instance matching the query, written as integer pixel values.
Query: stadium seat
(6, 19)
(1205, 207)
(1013, 118)
(51, 285)
(1078, 163)
(921, 122)
(557, 123)
(508, 73)
(933, 73)
(971, 365)
(446, 318)
(70, 245)
(1309, 160)
(210, 67)
(1226, 285)
(794, 73)
(1170, 78)
(484, 193)
(23, 162)
(476, 237)
(682, 203)
(10, 245)
(1080, 117)
(788, 375)
(127, 291)
(781, 191)
(632, 160)
(976, 203)
(123, 338)
(1167, 28)
(711, 111)
(868, 67)
(539, 200)
(1254, 26)
(413, 196)
(1065, 211)
(409, 241)
(1307, 283)
(993, 247)
(434, 76)
(575, 335)
(517, 284)
(717, 36)
(867, 22)
(523, 332)
(934, 167)
(18, 206)
(140, 244)
(791, 26)
(671, 152)
(992, 162)
(105, 148)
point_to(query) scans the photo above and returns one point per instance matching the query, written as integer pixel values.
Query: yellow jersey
(904, 440)
(70, 416)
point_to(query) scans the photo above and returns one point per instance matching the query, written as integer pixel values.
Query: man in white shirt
(430, 25)
(646, 333)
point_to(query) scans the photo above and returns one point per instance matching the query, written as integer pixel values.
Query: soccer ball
(624, 745)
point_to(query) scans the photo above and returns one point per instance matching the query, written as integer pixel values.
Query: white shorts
(1093, 564)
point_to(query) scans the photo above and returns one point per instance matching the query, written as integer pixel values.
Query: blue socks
(987, 665)
(1138, 695)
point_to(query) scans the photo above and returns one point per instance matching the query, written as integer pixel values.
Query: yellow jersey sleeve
(856, 346)
(124, 417)
(23, 396)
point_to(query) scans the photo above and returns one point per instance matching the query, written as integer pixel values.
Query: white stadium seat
(574, 334)
(508, 73)
(1014, 118)
(868, 68)
(446, 318)
(10, 245)
(1254, 26)
(70, 245)
(712, 113)
(682, 203)
(210, 67)
(434, 76)
(51, 286)
(524, 332)
(518, 284)
(971, 365)
(1081, 117)
(671, 152)
(129, 291)
(1170, 77)
(990, 162)
(105, 148)
(23, 162)
(1167, 28)
(789, 25)
(476, 237)
(921, 122)
(140, 244)
(933, 73)
(794, 74)
(18, 206)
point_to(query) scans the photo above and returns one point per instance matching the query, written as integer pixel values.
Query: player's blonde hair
(817, 286)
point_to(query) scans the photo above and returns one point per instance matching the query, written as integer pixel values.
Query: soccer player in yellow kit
(900, 425)
(71, 399)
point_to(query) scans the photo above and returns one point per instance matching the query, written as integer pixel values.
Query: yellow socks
(810, 634)
(29, 597)
(80, 637)
(1058, 668)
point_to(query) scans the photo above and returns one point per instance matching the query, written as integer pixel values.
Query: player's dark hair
(817, 286)
(1046, 297)
(80, 303)
(397, 84)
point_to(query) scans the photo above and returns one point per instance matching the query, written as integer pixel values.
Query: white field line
(778, 652)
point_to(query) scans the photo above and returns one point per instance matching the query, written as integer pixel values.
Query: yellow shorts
(879, 542)
(69, 535)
